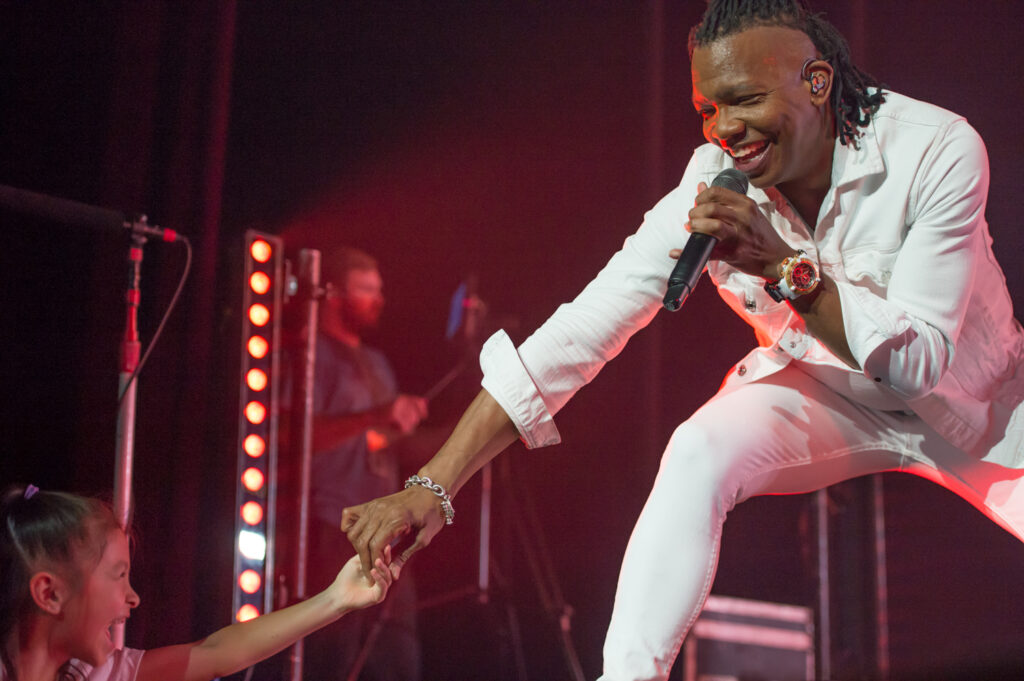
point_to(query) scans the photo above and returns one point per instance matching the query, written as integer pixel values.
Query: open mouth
(749, 158)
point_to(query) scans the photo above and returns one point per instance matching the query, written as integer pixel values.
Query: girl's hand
(357, 590)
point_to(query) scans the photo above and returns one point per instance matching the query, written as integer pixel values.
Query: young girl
(64, 566)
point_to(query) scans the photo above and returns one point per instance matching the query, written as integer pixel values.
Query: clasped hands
(414, 513)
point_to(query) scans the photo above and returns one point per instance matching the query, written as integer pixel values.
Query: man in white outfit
(861, 257)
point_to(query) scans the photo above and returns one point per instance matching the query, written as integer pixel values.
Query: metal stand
(127, 390)
(309, 292)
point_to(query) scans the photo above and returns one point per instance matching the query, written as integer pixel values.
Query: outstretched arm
(481, 434)
(243, 644)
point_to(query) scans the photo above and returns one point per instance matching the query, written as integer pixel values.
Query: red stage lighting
(252, 512)
(256, 379)
(259, 282)
(256, 453)
(259, 315)
(254, 446)
(253, 479)
(258, 347)
(247, 612)
(255, 412)
(260, 251)
(250, 581)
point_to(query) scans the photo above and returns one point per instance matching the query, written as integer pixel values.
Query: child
(64, 566)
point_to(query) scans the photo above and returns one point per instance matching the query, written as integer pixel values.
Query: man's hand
(406, 412)
(746, 240)
(373, 526)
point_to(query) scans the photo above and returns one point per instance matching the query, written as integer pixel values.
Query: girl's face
(104, 599)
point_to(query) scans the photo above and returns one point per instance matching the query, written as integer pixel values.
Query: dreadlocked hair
(851, 101)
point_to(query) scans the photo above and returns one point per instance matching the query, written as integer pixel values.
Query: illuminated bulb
(252, 512)
(254, 446)
(247, 612)
(258, 347)
(253, 479)
(260, 250)
(259, 282)
(252, 545)
(255, 412)
(259, 315)
(256, 379)
(249, 581)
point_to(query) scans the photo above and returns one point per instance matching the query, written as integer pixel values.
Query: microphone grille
(733, 179)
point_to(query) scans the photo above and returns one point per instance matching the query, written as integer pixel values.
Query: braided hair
(43, 530)
(852, 103)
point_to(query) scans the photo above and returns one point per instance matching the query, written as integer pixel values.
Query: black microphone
(75, 213)
(698, 248)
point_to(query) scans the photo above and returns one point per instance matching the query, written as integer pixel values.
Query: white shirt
(901, 231)
(122, 665)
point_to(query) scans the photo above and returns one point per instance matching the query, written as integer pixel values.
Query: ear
(818, 73)
(49, 592)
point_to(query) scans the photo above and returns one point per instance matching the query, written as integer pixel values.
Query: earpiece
(818, 83)
(817, 79)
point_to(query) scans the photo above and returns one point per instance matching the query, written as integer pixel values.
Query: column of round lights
(258, 335)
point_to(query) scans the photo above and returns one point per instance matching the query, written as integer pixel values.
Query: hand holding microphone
(698, 248)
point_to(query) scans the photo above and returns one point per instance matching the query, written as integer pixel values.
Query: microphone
(74, 213)
(698, 248)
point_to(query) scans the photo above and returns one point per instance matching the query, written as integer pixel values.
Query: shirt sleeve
(533, 382)
(906, 337)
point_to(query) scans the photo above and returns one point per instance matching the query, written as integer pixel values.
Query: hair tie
(30, 491)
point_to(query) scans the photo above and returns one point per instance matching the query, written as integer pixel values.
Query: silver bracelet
(446, 499)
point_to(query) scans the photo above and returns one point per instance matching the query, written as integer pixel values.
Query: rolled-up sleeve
(906, 336)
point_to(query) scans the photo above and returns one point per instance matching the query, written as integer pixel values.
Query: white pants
(785, 434)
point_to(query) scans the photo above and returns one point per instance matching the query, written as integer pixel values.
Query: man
(358, 416)
(861, 257)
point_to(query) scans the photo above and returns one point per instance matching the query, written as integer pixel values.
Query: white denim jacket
(901, 231)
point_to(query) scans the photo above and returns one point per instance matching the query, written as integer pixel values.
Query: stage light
(256, 379)
(252, 512)
(255, 412)
(259, 315)
(259, 282)
(260, 251)
(254, 446)
(252, 545)
(247, 612)
(257, 347)
(250, 581)
(263, 294)
(253, 479)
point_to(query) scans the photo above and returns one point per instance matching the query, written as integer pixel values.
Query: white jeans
(785, 434)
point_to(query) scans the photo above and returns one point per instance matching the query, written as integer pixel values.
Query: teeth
(747, 152)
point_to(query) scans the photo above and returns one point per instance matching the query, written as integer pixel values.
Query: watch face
(803, 276)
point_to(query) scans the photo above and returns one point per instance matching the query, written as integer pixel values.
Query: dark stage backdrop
(517, 141)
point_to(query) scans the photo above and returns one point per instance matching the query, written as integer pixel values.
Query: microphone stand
(74, 213)
(127, 396)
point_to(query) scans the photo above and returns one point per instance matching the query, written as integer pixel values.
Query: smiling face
(103, 597)
(755, 104)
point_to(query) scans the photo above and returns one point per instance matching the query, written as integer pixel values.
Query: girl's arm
(243, 644)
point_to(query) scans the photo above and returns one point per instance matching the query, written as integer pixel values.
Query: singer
(861, 257)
